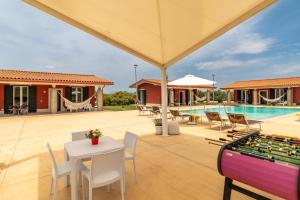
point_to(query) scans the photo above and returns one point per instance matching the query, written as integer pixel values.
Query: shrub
(220, 95)
(120, 98)
(157, 122)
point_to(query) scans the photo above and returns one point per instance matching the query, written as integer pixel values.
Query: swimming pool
(251, 112)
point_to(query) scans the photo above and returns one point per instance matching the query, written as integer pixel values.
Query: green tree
(220, 95)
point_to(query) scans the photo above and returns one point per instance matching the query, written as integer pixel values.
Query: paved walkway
(176, 167)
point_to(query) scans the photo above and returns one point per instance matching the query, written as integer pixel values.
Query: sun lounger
(241, 119)
(142, 109)
(155, 111)
(215, 116)
(176, 113)
(282, 103)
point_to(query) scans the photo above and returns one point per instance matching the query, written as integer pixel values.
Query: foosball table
(267, 162)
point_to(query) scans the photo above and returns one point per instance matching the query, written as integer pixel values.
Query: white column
(255, 95)
(53, 99)
(191, 97)
(289, 97)
(164, 101)
(100, 98)
(172, 97)
(208, 96)
(228, 96)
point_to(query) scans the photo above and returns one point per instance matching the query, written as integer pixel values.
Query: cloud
(245, 39)
(286, 69)
(251, 43)
(50, 67)
(228, 63)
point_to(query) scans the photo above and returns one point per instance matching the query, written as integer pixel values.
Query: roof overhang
(159, 31)
(18, 82)
(155, 83)
(143, 81)
(259, 88)
(192, 87)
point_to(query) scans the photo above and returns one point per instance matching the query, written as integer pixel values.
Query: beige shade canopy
(158, 31)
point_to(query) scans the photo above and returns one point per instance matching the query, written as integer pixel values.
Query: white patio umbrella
(191, 81)
(158, 31)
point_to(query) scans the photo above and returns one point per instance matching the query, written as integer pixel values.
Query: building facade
(286, 90)
(149, 92)
(42, 91)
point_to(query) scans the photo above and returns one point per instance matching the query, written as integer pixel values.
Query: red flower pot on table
(94, 135)
(95, 141)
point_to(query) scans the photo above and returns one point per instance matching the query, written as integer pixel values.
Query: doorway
(181, 98)
(59, 102)
(143, 96)
(20, 95)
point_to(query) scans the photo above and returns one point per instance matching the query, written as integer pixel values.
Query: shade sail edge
(244, 16)
(89, 30)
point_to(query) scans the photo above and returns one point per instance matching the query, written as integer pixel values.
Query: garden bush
(120, 98)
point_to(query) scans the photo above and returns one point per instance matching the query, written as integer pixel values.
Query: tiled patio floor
(175, 167)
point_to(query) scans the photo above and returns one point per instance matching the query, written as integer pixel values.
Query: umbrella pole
(164, 101)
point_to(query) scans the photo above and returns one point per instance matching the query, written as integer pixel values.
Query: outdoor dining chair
(59, 171)
(106, 169)
(23, 109)
(79, 135)
(130, 141)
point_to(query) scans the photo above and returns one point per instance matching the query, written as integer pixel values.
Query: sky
(265, 46)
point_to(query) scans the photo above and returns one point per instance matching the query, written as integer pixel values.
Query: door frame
(62, 108)
(21, 94)
(143, 96)
(61, 90)
(179, 95)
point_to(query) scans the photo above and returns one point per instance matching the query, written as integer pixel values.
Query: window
(77, 94)
(279, 92)
(20, 95)
(244, 94)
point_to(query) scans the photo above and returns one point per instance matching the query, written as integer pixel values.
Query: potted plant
(94, 135)
(158, 126)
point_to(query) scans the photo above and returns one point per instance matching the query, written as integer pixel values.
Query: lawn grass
(120, 108)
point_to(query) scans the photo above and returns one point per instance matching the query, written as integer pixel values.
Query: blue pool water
(251, 112)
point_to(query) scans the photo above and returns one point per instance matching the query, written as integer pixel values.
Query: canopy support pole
(100, 98)
(164, 101)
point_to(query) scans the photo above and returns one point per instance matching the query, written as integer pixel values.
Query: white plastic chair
(80, 135)
(130, 140)
(58, 171)
(105, 169)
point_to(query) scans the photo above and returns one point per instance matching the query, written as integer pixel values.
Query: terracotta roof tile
(146, 80)
(265, 83)
(50, 77)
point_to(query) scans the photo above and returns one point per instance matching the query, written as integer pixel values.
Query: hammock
(75, 106)
(272, 100)
(200, 99)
